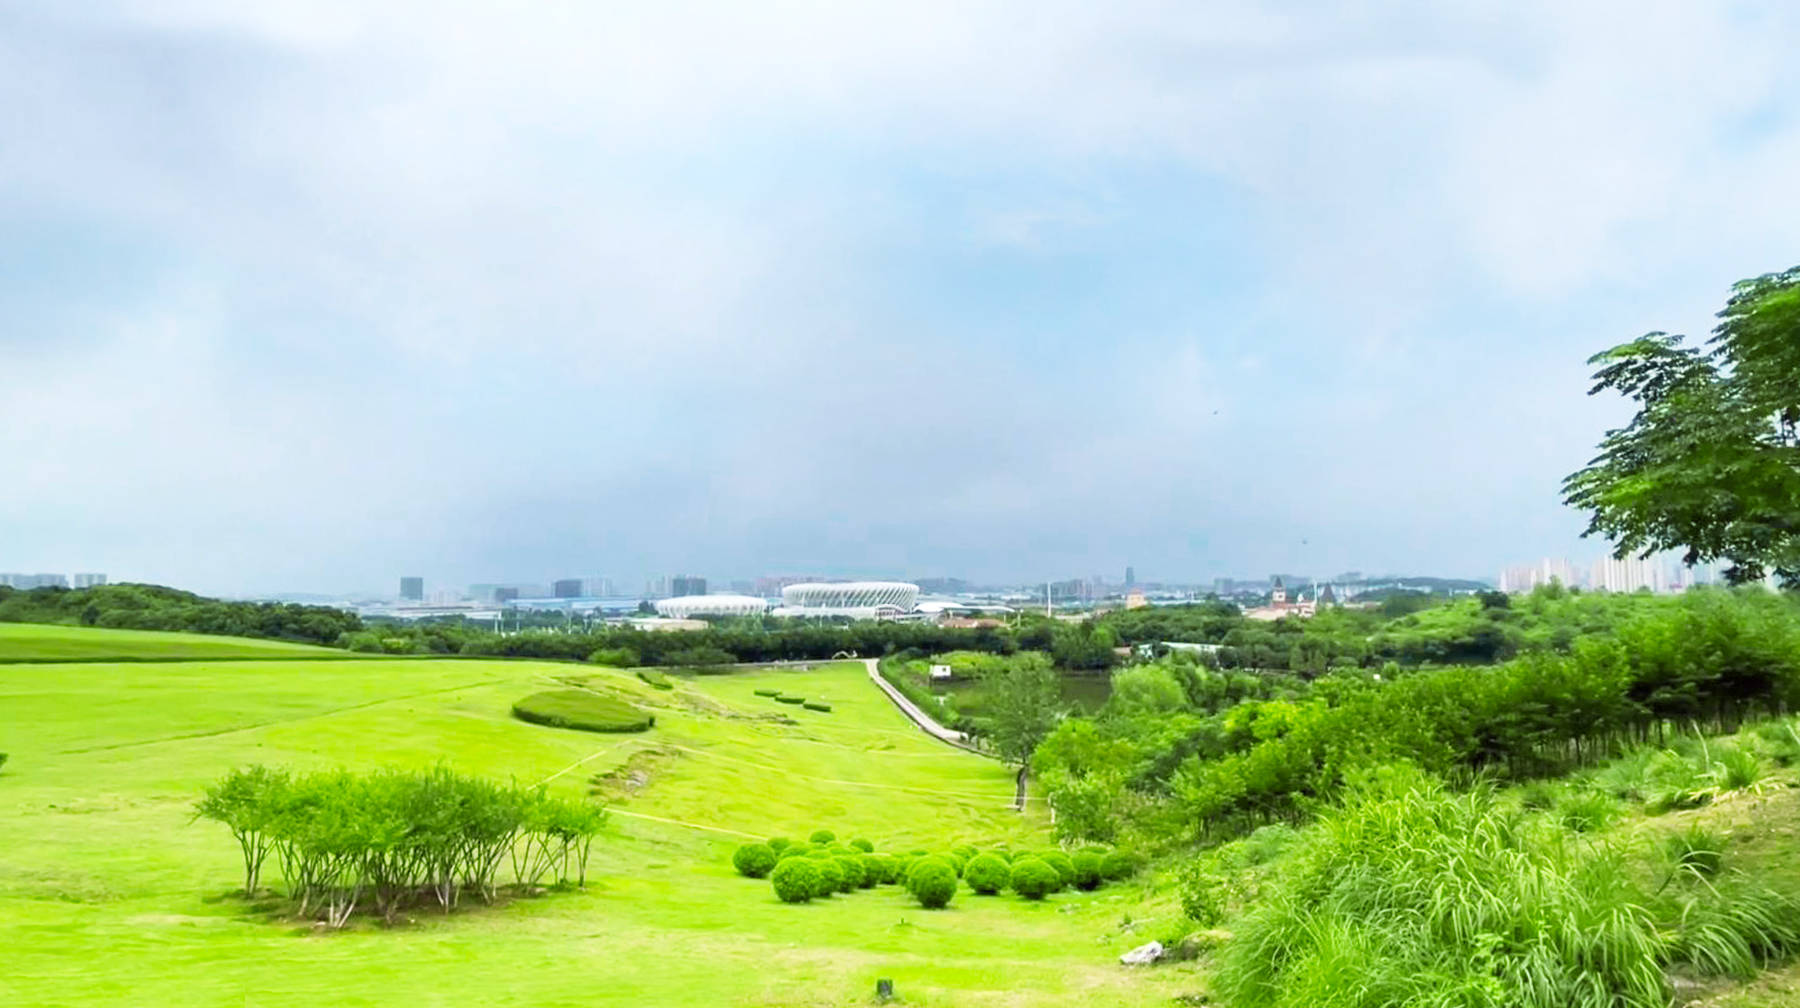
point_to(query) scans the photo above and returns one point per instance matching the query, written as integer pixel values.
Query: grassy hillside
(109, 894)
(45, 642)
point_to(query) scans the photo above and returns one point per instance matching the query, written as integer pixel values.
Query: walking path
(925, 721)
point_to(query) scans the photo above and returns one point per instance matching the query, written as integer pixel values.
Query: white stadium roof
(689, 606)
(864, 599)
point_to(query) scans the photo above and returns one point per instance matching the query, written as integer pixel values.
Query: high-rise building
(1525, 577)
(89, 580)
(27, 582)
(1629, 575)
(687, 584)
(506, 593)
(412, 589)
(566, 588)
(597, 587)
(1130, 578)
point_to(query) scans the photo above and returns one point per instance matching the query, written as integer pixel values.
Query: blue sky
(307, 296)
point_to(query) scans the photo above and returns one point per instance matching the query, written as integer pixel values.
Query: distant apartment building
(598, 587)
(89, 580)
(412, 589)
(656, 587)
(1525, 577)
(566, 588)
(1629, 575)
(683, 585)
(26, 582)
(1130, 579)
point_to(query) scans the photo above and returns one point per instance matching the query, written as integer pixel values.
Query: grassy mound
(39, 642)
(655, 678)
(580, 709)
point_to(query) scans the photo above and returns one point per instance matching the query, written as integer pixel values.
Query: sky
(305, 296)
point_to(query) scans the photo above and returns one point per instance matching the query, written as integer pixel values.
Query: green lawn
(110, 895)
(41, 642)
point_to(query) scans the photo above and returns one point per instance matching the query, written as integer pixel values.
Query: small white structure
(940, 672)
(690, 606)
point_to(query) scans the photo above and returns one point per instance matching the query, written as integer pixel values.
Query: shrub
(1087, 870)
(987, 874)
(871, 871)
(581, 710)
(887, 868)
(965, 851)
(784, 698)
(956, 862)
(1033, 879)
(931, 882)
(619, 657)
(823, 836)
(703, 659)
(864, 845)
(831, 875)
(2, 759)
(1736, 769)
(795, 880)
(753, 860)
(767, 692)
(1697, 849)
(823, 708)
(1003, 854)
(791, 851)
(1119, 864)
(1065, 869)
(852, 871)
(655, 678)
(779, 843)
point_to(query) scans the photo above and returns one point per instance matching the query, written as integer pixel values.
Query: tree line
(153, 607)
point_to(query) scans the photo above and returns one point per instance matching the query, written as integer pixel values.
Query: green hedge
(655, 678)
(790, 699)
(767, 692)
(822, 707)
(579, 709)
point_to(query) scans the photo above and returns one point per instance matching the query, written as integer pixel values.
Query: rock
(1143, 955)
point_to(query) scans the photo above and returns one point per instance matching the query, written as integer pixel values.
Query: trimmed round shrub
(956, 862)
(931, 882)
(583, 711)
(1065, 869)
(1087, 869)
(1033, 879)
(753, 860)
(1118, 865)
(795, 880)
(831, 876)
(987, 874)
(966, 851)
(795, 851)
(887, 868)
(779, 843)
(871, 866)
(823, 836)
(852, 871)
(864, 845)
(818, 853)
(1003, 854)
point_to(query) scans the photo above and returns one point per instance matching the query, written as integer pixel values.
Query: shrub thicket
(580, 709)
(851, 870)
(754, 860)
(796, 880)
(1087, 869)
(390, 838)
(779, 844)
(1065, 868)
(831, 875)
(887, 868)
(986, 874)
(823, 836)
(932, 882)
(1119, 864)
(863, 844)
(1033, 879)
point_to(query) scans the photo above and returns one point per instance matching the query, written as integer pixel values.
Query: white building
(852, 599)
(1629, 574)
(690, 606)
(1525, 577)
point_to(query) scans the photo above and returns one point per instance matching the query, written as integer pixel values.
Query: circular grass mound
(579, 709)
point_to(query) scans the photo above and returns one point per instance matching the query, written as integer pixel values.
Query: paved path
(925, 721)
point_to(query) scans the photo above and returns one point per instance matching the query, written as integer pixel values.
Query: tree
(1024, 701)
(1711, 461)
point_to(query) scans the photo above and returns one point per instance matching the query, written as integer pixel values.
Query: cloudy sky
(308, 295)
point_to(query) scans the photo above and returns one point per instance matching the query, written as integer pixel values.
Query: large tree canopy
(1711, 462)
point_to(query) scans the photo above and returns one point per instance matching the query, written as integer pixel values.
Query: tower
(1277, 593)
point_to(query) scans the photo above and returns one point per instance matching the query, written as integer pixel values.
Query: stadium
(690, 606)
(854, 599)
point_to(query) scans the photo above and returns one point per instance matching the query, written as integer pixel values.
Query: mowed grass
(109, 894)
(45, 642)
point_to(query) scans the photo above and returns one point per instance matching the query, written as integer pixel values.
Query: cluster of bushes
(392, 839)
(797, 701)
(1412, 894)
(583, 710)
(152, 607)
(801, 872)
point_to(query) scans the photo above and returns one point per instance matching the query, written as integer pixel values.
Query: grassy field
(41, 642)
(109, 894)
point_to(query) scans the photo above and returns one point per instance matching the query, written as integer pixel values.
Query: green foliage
(1065, 868)
(152, 607)
(1586, 811)
(987, 874)
(790, 699)
(932, 882)
(850, 869)
(886, 868)
(812, 705)
(614, 657)
(390, 837)
(1118, 865)
(796, 880)
(1709, 462)
(771, 693)
(754, 860)
(582, 710)
(871, 871)
(655, 678)
(1087, 870)
(822, 836)
(831, 876)
(863, 844)
(779, 844)
(1696, 849)
(1024, 704)
(702, 658)
(1033, 879)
